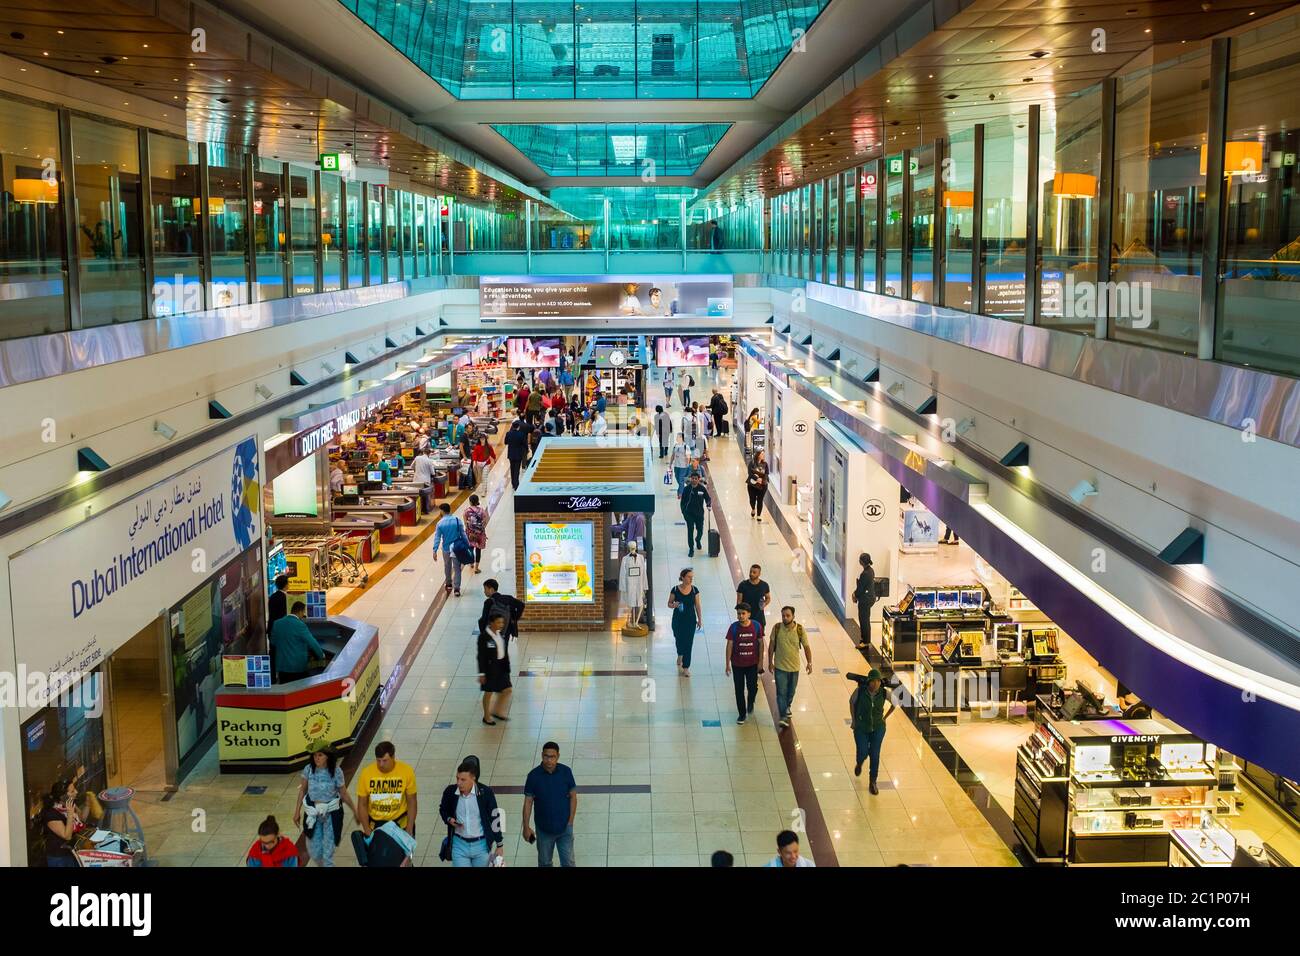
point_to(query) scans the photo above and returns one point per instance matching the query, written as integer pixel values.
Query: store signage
(873, 509)
(896, 165)
(561, 562)
(604, 297)
(584, 503)
(1135, 739)
(336, 162)
(81, 594)
(617, 358)
(801, 428)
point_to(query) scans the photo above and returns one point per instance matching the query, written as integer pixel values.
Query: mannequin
(631, 583)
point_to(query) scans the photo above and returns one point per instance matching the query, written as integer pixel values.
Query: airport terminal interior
(650, 433)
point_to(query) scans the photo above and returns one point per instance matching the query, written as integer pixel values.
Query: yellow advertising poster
(299, 572)
(196, 615)
(561, 562)
(234, 670)
(270, 735)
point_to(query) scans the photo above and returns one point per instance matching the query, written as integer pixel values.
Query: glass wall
(269, 229)
(375, 236)
(849, 227)
(553, 231)
(394, 262)
(32, 260)
(421, 238)
(959, 221)
(831, 272)
(174, 200)
(1002, 229)
(303, 228)
(1162, 114)
(869, 192)
(1069, 160)
(408, 236)
(923, 224)
(356, 235)
(228, 209)
(1259, 300)
(108, 220)
(817, 249)
(331, 231)
(894, 226)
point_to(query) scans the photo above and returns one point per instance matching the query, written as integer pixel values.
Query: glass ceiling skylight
(610, 149)
(593, 49)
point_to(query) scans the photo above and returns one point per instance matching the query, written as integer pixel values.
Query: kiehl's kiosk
(268, 729)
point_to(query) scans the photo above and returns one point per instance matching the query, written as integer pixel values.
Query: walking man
(663, 429)
(516, 442)
(744, 660)
(469, 809)
(507, 605)
(695, 498)
(718, 406)
(867, 711)
(787, 852)
(681, 463)
(755, 592)
(449, 530)
(550, 788)
(783, 658)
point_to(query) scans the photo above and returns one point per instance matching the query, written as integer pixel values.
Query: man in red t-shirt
(744, 659)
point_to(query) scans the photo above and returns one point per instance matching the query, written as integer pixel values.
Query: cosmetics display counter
(925, 614)
(1109, 791)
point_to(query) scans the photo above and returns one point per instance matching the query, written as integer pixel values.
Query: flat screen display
(605, 297)
(560, 562)
(674, 352)
(533, 353)
(924, 600)
(374, 476)
(293, 493)
(949, 600)
(972, 599)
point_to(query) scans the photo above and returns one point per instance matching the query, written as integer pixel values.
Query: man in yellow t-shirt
(783, 661)
(386, 791)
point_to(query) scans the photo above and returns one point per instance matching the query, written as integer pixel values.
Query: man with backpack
(718, 406)
(507, 605)
(449, 538)
(788, 637)
(688, 383)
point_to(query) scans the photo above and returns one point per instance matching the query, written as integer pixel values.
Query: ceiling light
(1187, 548)
(88, 460)
(1018, 456)
(162, 428)
(1084, 489)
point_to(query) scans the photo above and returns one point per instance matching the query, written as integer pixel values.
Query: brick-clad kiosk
(576, 508)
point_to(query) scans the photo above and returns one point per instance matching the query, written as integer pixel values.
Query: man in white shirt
(424, 470)
(787, 852)
(599, 426)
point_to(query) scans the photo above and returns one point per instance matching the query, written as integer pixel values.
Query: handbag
(668, 477)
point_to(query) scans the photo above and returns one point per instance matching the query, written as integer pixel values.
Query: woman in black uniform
(864, 596)
(684, 600)
(494, 668)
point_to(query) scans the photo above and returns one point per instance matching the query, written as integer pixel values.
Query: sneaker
(740, 720)
(457, 593)
(690, 553)
(789, 715)
(759, 517)
(784, 723)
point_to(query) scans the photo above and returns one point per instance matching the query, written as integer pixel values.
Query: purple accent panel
(1259, 730)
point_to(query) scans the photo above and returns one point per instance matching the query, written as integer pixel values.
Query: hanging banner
(82, 593)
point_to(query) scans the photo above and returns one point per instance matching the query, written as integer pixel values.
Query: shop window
(959, 222)
(270, 229)
(923, 224)
(1002, 229)
(228, 208)
(176, 221)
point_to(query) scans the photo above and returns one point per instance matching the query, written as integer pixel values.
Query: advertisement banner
(561, 562)
(82, 593)
(605, 297)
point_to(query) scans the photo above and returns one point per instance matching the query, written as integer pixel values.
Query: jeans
(547, 843)
(867, 743)
(680, 474)
(746, 681)
(469, 852)
(451, 569)
(786, 682)
(756, 499)
(694, 531)
(61, 860)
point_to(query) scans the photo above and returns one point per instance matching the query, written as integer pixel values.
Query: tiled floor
(713, 784)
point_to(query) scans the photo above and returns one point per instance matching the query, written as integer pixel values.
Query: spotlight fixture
(327, 368)
(928, 407)
(262, 390)
(965, 425)
(5, 501)
(216, 410)
(295, 379)
(895, 389)
(1187, 548)
(1018, 456)
(1084, 489)
(162, 428)
(88, 460)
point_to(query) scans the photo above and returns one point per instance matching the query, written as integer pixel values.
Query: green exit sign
(896, 165)
(329, 161)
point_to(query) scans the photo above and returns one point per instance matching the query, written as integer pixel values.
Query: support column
(1215, 200)
(977, 227)
(905, 292)
(939, 254)
(68, 204)
(146, 219)
(1105, 205)
(1033, 254)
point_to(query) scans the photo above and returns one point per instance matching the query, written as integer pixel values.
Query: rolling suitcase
(715, 539)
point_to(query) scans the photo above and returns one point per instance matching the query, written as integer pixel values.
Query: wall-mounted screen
(533, 353)
(605, 297)
(561, 562)
(673, 352)
(294, 491)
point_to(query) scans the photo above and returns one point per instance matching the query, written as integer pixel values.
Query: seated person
(293, 642)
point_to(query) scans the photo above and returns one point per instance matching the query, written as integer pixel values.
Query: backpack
(474, 520)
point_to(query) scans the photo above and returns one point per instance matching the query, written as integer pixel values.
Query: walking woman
(322, 795)
(684, 600)
(494, 668)
(752, 421)
(483, 456)
(864, 596)
(476, 519)
(868, 714)
(756, 484)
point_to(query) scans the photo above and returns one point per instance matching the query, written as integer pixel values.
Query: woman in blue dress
(322, 795)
